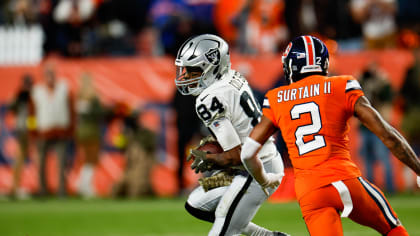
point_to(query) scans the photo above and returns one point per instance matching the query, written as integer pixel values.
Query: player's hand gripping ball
(211, 147)
(199, 156)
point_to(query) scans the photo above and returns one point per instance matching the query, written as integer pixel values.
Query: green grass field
(76, 217)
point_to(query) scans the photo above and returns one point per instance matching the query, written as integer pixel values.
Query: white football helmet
(207, 54)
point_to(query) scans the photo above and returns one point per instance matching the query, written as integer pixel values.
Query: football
(211, 147)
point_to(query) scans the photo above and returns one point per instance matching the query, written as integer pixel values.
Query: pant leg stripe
(381, 202)
(234, 205)
(345, 197)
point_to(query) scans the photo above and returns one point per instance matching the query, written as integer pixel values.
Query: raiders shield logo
(213, 56)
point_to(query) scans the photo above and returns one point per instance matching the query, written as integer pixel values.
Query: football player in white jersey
(226, 105)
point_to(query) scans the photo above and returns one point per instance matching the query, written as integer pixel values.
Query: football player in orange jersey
(312, 113)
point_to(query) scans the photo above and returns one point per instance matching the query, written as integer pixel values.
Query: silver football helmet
(201, 61)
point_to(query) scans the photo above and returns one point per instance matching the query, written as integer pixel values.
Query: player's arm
(258, 136)
(222, 130)
(228, 158)
(389, 135)
(205, 161)
(225, 134)
(214, 110)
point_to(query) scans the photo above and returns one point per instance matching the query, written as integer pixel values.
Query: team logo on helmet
(213, 56)
(305, 54)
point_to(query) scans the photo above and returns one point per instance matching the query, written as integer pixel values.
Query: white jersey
(228, 108)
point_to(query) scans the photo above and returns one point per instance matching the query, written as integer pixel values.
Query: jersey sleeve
(214, 111)
(353, 92)
(225, 133)
(267, 110)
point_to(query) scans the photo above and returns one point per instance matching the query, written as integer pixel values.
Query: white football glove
(272, 181)
(418, 181)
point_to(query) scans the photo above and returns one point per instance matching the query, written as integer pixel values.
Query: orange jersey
(313, 115)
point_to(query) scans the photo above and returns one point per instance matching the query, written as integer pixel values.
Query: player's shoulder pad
(352, 84)
(349, 81)
(207, 97)
(267, 97)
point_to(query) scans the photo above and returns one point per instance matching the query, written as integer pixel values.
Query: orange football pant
(321, 209)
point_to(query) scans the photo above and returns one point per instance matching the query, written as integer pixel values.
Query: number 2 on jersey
(314, 128)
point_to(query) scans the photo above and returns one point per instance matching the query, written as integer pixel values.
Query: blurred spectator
(88, 133)
(177, 20)
(148, 43)
(378, 90)
(116, 26)
(306, 16)
(74, 11)
(22, 12)
(341, 26)
(132, 13)
(408, 39)
(188, 125)
(325, 18)
(410, 93)
(230, 19)
(140, 154)
(378, 20)
(49, 25)
(300, 17)
(112, 38)
(55, 121)
(253, 27)
(173, 21)
(22, 106)
(266, 31)
(72, 17)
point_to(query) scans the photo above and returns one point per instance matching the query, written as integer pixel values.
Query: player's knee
(197, 199)
(317, 219)
(222, 226)
(398, 231)
(199, 213)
